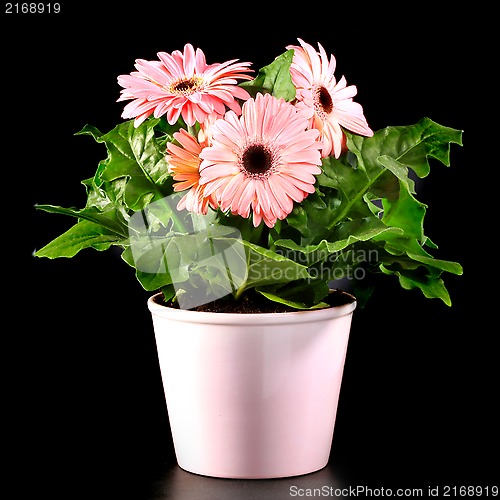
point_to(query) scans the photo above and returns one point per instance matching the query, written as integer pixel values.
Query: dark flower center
(186, 85)
(256, 159)
(324, 99)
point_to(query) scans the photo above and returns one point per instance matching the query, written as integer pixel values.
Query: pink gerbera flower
(264, 160)
(327, 103)
(182, 84)
(184, 161)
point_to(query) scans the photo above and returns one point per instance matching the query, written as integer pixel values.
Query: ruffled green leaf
(431, 285)
(136, 167)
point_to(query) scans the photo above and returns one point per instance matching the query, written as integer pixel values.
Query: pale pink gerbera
(182, 84)
(184, 161)
(264, 160)
(327, 103)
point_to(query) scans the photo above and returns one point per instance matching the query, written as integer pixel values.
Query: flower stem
(240, 291)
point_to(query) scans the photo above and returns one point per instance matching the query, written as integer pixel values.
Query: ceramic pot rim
(217, 318)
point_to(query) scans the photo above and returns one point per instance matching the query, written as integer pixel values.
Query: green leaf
(301, 294)
(135, 156)
(399, 170)
(375, 164)
(84, 234)
(349, 232)
(429, 139)
(109, 220)
(351, 184)
(316, 212)
(431, 286)
(291, 303)
(267, 267)
(168, 293)
(410, 145)
(409, 254)
(405, 213)
(345, 234)
(274, 79)
(151, 267)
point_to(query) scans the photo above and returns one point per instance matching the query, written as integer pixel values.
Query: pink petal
(189, 60)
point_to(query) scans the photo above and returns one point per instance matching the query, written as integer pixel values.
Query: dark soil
(252, 302)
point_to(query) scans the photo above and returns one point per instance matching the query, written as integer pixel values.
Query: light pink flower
(184, 161)
(264, 160)
(325, 102)
(182, 84)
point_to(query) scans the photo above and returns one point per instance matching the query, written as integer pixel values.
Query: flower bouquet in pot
(242, 195)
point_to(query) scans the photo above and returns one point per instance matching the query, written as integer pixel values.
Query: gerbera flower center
(186, 86)
(257, 160)
(323, 100)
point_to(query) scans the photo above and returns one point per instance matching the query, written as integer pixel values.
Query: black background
(82, 383)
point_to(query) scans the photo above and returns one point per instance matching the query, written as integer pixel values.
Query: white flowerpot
(252, 395)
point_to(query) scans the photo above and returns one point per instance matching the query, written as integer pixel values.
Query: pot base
(265, 475)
